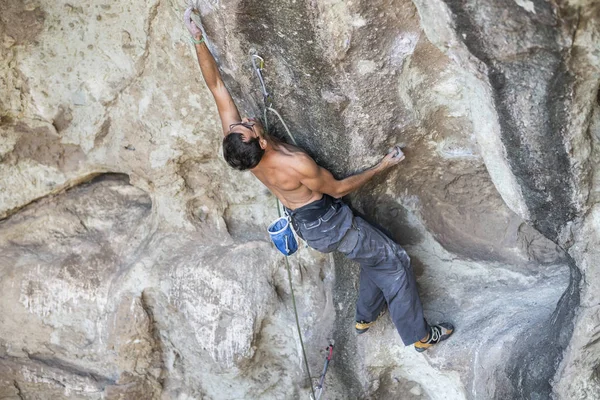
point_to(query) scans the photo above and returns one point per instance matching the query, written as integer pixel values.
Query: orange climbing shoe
(363, 326)
(437, 333)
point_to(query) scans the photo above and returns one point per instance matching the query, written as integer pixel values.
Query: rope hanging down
(267, 103)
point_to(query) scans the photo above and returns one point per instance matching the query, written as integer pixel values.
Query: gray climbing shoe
(437, 333)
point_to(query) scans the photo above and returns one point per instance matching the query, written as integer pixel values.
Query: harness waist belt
(312, 211)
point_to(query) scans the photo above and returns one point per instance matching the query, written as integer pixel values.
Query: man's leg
(388, 267)
(404, 303)
(384, 261)
(370, 302)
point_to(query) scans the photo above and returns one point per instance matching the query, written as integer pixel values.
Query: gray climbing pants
(386, 275)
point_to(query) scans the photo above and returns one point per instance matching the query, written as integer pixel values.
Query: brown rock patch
(44, 146)
(21, 21)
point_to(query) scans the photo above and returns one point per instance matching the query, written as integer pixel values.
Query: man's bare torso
(276, 171)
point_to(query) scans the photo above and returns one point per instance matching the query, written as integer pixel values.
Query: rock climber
(311, 196)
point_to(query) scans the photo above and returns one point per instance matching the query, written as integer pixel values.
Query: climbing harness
(282, 235)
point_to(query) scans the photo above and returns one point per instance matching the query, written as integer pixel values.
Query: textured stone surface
(152, 276)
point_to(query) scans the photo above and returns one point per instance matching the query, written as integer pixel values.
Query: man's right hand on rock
(191, 25)
(392, 158)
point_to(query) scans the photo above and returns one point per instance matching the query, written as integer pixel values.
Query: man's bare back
(276, 171)
(296, 180)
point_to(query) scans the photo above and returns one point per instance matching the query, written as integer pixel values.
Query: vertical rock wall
(152, 277)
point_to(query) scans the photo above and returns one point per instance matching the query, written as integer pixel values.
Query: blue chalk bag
(283, 237)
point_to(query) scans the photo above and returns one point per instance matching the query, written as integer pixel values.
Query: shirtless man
(311, 196)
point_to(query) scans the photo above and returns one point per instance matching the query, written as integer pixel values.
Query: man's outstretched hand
(392, 158)
(191, 25)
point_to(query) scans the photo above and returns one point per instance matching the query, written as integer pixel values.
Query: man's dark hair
(239, 154)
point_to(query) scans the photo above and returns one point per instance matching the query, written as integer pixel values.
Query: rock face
(135, 264)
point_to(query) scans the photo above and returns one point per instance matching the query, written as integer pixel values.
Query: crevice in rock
(535, 357)
(62, 119)
(344, 293)
(140, 64)
(596, 374)
(49, 368)
(70, 184)
(576, 29)
(71, 369)
(19, 391)
(157, 346)
(279, 292)
(103, 132)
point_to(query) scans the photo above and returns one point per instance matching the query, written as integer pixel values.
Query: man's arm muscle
(319, 179)
(227, 109)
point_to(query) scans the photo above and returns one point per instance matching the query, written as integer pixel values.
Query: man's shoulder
(294, 159)
(300, 159)
(291, 154)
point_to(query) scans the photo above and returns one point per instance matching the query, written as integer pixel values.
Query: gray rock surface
(135, 264)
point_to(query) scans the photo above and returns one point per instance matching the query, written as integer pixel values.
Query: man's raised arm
(321, 180)
(227, 110)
